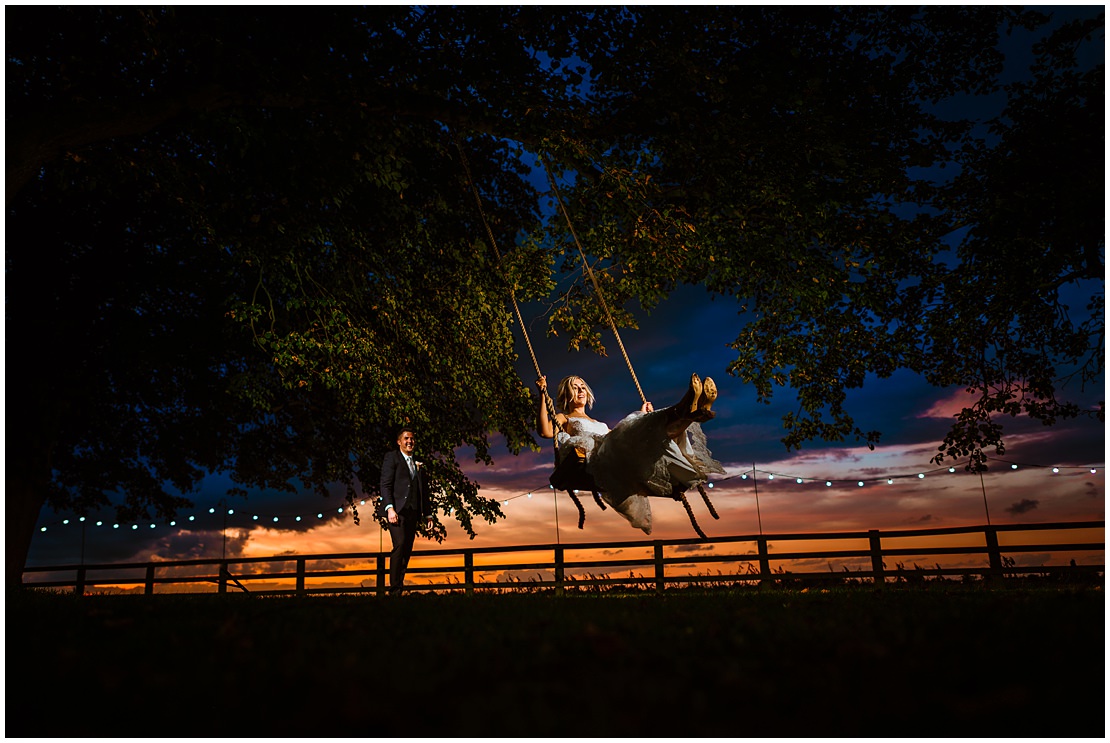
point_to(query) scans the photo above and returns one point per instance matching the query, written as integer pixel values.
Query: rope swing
(571, 474)
(582, 478)
(590, 273)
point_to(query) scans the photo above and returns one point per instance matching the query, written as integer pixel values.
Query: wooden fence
(971, 553)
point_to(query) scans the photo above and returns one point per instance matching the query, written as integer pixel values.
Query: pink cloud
(949, 406)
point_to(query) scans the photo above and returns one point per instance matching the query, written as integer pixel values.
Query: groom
(406, 499)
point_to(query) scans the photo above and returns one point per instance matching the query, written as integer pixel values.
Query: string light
(744, 476)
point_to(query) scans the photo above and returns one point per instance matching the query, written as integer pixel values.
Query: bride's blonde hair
(562, 399)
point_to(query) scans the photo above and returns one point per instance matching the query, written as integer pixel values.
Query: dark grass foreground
(854, 661)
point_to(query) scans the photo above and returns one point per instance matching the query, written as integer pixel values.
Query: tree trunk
(26, 486)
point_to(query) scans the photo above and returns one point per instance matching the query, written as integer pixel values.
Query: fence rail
(986, 557)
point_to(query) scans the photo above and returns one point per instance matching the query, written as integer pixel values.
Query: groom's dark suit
(409, 496)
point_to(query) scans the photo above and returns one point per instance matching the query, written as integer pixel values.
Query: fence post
(148, 589)
(224, 575)
(300, 576)
(468, 571)
(379, 577)
(660, 578)
(993, 553)
(79, 588)
(876, 555)
(764, 560)
(559, 570)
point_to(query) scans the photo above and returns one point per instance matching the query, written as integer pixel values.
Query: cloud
(1024, 506)
(949, 406)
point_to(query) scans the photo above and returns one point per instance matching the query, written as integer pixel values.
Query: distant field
(904, 661)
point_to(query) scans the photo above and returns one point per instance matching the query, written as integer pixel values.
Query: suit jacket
(399, 487)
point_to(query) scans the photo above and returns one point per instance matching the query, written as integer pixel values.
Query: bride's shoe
(708, 395)
(688, 408)
(689, 402)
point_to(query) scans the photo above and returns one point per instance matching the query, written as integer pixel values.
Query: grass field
(906, 661)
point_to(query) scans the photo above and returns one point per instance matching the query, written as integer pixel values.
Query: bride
(649, 453)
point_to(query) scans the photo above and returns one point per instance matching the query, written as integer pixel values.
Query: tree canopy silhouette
(241, 240)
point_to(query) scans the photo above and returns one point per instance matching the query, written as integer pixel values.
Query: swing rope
(512, 295)
(590, 273)
(678, 495)
(550, 404)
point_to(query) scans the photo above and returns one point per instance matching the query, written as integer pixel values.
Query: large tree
(243, 240)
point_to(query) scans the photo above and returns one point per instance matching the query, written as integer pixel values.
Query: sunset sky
(688, 333)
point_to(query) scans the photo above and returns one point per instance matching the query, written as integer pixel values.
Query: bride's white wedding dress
(637, 459)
